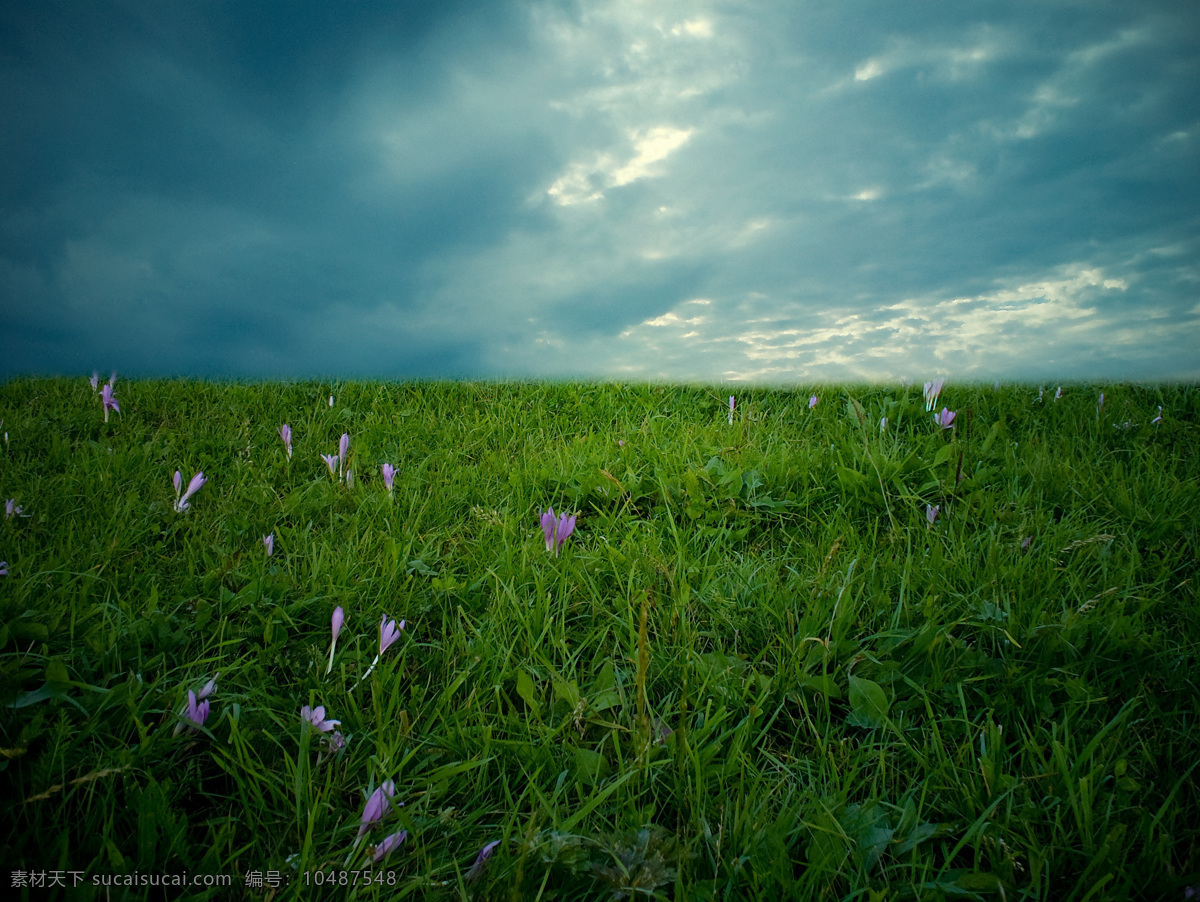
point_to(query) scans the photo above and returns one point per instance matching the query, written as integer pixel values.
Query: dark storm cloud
(683, 190)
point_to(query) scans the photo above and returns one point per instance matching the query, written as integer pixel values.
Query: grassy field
(755, 670)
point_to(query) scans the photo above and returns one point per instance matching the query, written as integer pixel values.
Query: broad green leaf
(528, 692)
(604, 693)
(824, 685)
(868, 703)
(590, 766)
(567, 691)
(56, 671)
(45, 691)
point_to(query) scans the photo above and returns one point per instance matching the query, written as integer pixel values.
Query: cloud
(685, 190)
(653, 145)
(759, 339)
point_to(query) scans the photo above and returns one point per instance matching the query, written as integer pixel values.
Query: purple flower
(12, 509)
(335, 742)
(339, 617)
(945, 419)
(331, 400)
(269, 544)
(481, 860)
(932, 390)
(731, 403)
(207, 689)
(181, 501)
(882, 424)
(196, 712)
(1154, 422)
(1058, 393)
(377, 806)
(389, 632)
(1100, 405)
(109, 400)
(95, 380)
(285, 433)
(331, 461)
(556, 530)
(343, 448)
(3, 568)
(812, 402)
(389, 844)
(389, 475)
(931, 512)
(316, 717)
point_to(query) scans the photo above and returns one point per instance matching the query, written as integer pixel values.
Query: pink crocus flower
(389, 476)
(196, 711)
(181, 501)
(3, 568)
(931, 512)
(731, 405)
(285, 433)
(1154, 422)
(331, 400)
(208, 688)
(812, 402)
(331, 461)
(378, 804)
(316, 717)
(557, 530)
(882, 425)
(389, 845)
(945, 418)
(1058, 393)
(343, 450)
(109, 400)
(269, 544)
(389, 632)
(95, 380)
(481, 860)
(12, 509)
(339, 617)
(932, 391)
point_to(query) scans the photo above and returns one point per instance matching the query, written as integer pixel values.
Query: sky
(782, 192)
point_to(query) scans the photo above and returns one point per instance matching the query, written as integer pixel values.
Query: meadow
(787, 651)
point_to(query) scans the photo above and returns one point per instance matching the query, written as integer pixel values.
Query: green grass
(754, 672)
